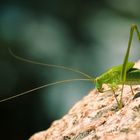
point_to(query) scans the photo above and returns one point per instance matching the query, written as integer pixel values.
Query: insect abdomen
(133, 77)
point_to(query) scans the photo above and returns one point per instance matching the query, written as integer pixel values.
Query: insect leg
(115, 96)
(121, 102)
(131, 90)
(125, 62)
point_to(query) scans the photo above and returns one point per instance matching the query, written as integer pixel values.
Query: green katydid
(123, 74)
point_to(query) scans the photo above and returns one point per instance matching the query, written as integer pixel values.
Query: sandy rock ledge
(96, 117)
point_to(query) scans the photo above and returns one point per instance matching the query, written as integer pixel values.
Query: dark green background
(89, 35)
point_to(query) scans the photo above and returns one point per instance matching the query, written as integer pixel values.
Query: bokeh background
(89, 35)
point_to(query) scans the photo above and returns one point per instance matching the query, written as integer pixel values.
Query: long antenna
(43, 86)
(49, 65)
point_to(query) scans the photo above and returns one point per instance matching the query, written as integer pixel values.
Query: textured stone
(96, 117)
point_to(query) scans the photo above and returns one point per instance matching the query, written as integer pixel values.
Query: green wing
(119, 68)
(133, 77)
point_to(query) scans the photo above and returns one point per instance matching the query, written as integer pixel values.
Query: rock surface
(96, 117)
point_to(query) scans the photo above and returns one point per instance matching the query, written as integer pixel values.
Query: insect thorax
(111, 78)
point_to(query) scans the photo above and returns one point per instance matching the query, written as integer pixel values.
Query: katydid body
(123, 74)
(112, 77)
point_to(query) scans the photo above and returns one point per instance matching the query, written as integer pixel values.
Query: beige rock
(96, 117)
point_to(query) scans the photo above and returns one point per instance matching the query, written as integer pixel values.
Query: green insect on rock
(123, 74)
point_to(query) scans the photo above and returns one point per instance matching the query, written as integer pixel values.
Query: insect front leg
(119, 102)
(115, 96)
(114, 87)
(132, 90)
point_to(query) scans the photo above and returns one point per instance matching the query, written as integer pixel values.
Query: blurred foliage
(87, 35)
